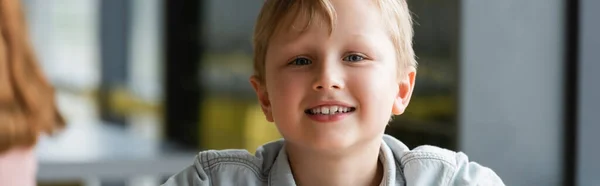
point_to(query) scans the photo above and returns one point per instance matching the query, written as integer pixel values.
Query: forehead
(354, 19)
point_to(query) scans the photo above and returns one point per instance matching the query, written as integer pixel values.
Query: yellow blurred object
(122, 101)
(431, 107)
(258, 130)
(221, 123)
(228, 123)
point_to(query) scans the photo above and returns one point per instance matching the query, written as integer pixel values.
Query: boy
(329, 73)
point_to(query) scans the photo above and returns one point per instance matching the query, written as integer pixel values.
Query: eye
(301, 61)
(354, 58)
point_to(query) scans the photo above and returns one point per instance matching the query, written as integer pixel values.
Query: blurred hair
(27, 103)
(278, 15)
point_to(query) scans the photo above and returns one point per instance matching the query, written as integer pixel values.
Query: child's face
(353, 70)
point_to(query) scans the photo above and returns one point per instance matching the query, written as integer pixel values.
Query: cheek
(375, 90)
(285, 93)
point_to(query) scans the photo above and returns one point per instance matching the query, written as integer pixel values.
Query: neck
(356, 167)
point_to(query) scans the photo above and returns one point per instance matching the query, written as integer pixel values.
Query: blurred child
(329, 74)
(27, 106)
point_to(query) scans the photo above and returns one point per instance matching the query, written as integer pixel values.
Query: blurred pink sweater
(18, 167)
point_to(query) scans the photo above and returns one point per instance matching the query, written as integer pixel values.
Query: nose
(328, 77)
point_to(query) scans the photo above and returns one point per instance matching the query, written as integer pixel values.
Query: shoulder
(430, 165)
(431, 153)
(228, 167)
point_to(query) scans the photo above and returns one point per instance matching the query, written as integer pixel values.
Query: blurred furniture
(94, 152)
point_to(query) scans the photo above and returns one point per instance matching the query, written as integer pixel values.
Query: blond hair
(274, 13)
(27, 106)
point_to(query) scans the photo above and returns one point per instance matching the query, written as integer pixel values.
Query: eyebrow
(289, 46)
(365, 43)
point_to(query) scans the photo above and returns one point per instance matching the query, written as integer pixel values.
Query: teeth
(316, 110)
(333, 109)
(325, 110)
(329, 110)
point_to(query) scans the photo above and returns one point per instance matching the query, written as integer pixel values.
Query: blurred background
(144, 84)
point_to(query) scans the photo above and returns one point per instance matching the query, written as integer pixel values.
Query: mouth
(329, 110)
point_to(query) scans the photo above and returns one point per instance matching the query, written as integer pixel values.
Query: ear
(405, 90)
(263, 97)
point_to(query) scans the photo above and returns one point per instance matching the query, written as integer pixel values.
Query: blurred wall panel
(229, 24)
(511, 90)
(145, 81)
(114, 54)
(588, 147)
(146, 58)
(64, 36)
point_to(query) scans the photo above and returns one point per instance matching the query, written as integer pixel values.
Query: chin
(331, 143)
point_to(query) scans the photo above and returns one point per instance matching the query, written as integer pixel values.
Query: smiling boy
(329, 74)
